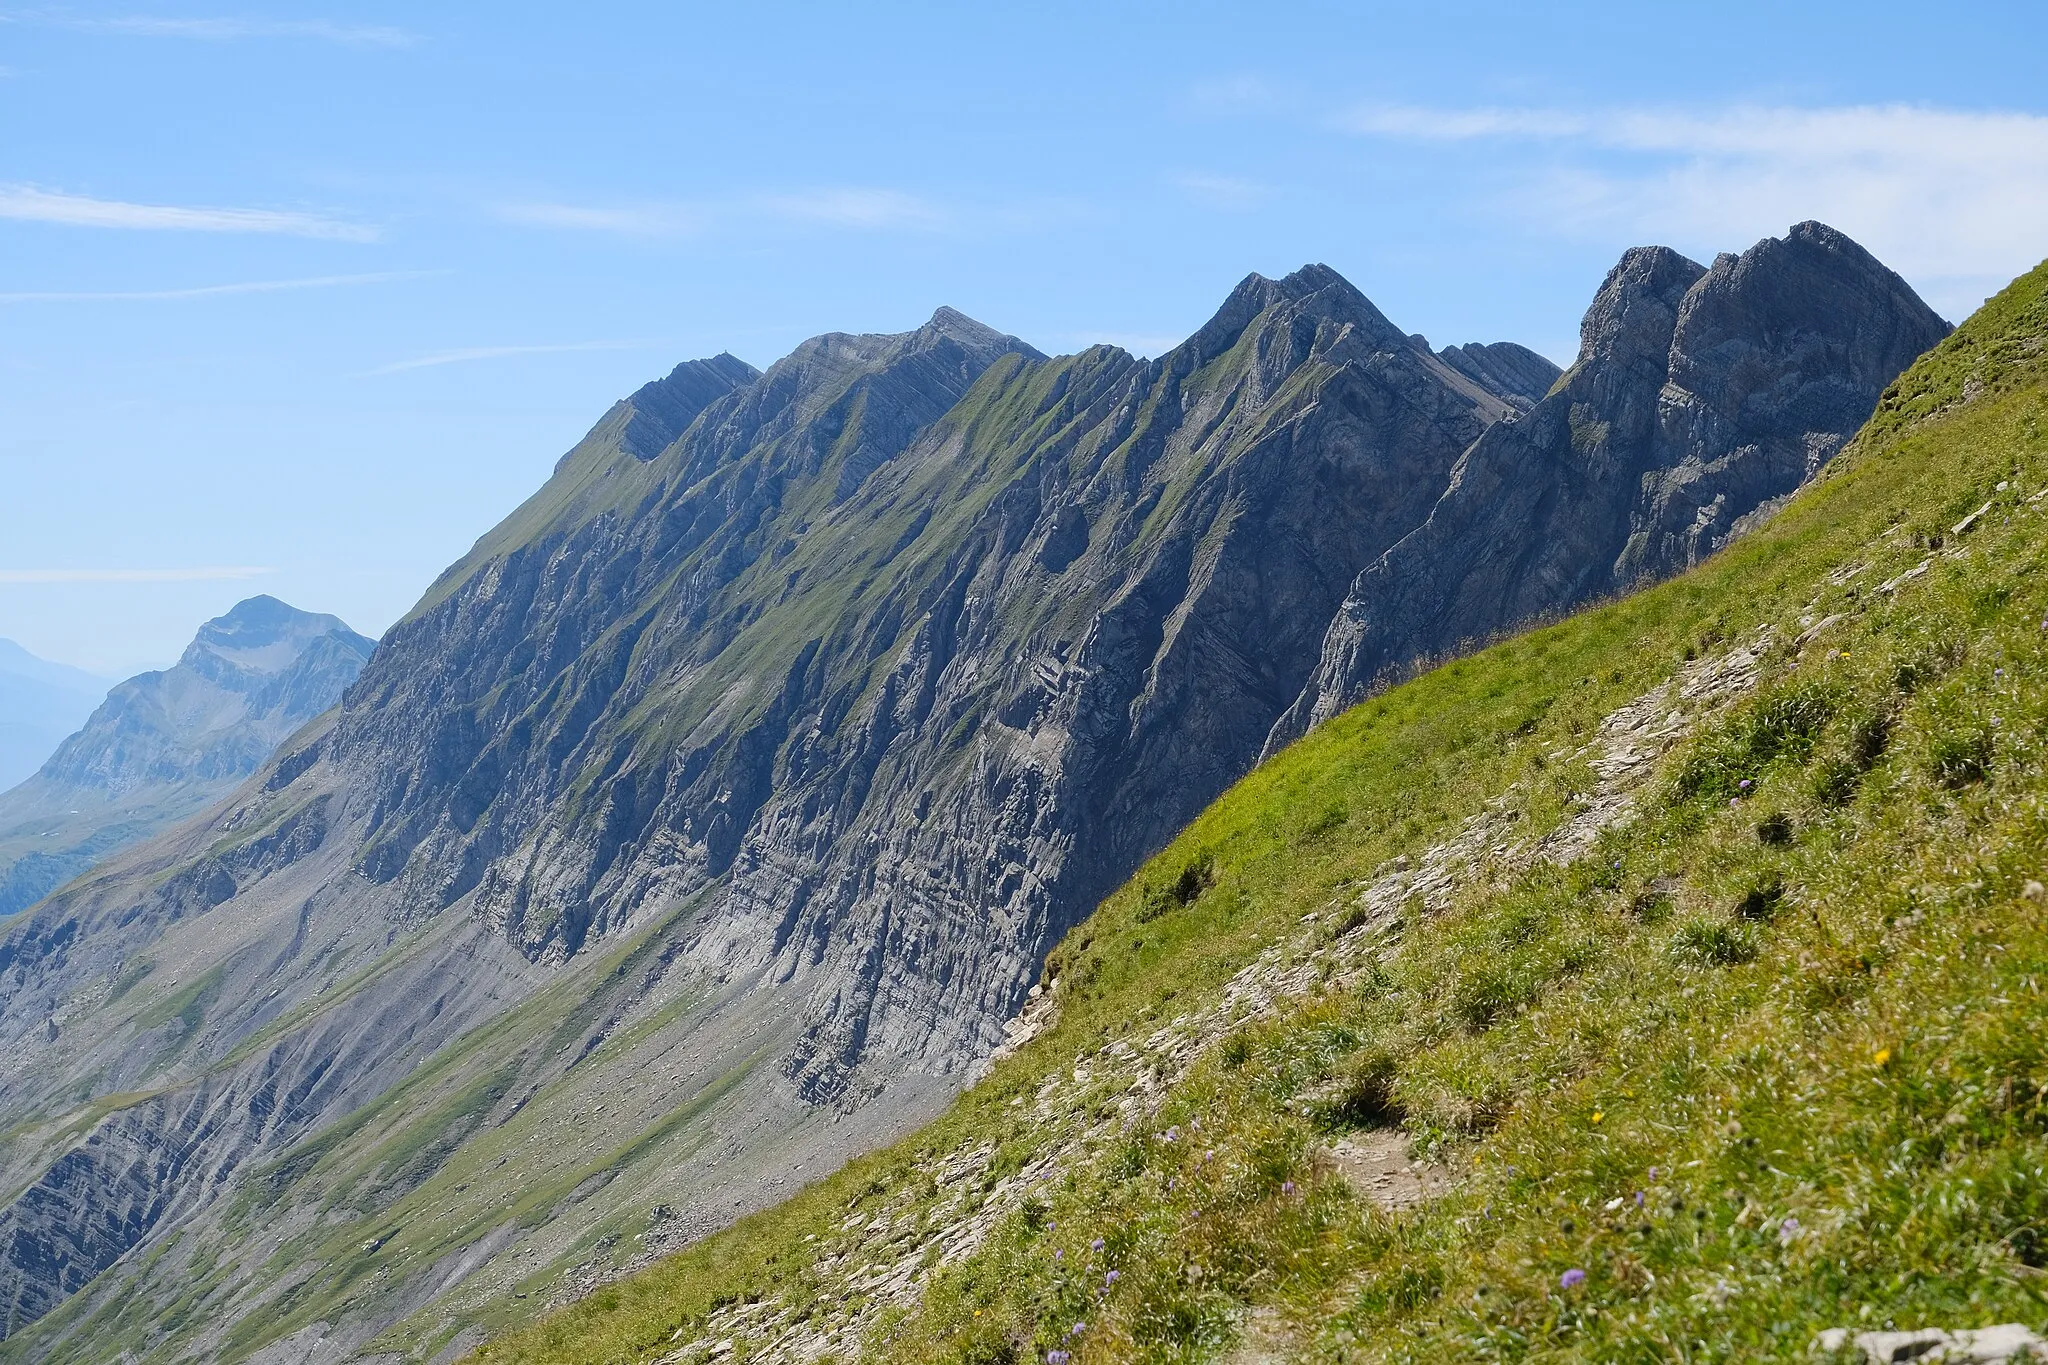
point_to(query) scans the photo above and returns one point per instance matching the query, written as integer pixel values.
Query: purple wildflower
(1059, 1253)
(1572, 1278)
(1058, 1357)
(1287, 1187)
(1112, 1277)
(1095, 1245)
(1171, 1135)
(1208, 1154)
(1077, 1329)
(1745, 784)
(1787, 1230)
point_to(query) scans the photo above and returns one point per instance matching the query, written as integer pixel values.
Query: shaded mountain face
(164, 745)
(40, 703)
(1515, 372)
(1701, 399)
(706, 821)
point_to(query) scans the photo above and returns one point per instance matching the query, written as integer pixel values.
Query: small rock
(1962, 527)
(1933, 1346)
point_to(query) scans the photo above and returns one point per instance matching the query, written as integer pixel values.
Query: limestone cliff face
(708, 819)
(1700, 397)
(915, 644)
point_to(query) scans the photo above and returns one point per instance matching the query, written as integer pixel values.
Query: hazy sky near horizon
(301, 299)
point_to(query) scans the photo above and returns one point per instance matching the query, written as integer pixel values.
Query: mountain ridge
(1662, 975)
(751, 778)
(1714, 426)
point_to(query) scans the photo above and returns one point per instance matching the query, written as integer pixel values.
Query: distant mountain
(706, 822)
(165, 744)
(40, 703)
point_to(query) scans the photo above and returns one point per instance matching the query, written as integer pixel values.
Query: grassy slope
(1518, 1016)
(1751, 1084)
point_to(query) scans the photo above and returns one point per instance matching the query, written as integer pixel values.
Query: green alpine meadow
(1668, 982)
(1056, 684)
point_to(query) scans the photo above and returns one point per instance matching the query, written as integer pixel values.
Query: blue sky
(300, 299)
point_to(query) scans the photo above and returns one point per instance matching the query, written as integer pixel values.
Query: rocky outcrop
(1515, 372)
(708, 819)
(1700, 397)
(164, 745)
(2007, 1342)
(1038, 640)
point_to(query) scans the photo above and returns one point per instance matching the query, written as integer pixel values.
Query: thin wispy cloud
(666, 221)
(229, 30)
(1236, 95)
(1224, 192)
(28, 203)
(853, 208)
(207, 574)
(1937, 193)
(473, 353)
(210, 291)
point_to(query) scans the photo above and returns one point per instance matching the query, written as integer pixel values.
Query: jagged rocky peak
(953, 325)
(1516, 373)
(1316, 314)
(1701, 399)
(663, 409)
(830, 699)
(1635, 312)
(888, 385)
(1798, 330)
(1314, 295)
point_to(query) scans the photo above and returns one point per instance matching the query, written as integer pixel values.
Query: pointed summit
(163, 745)
(1701, 398)
(663, 409)
(1635, 311)
(1315, 292)
(954, 325)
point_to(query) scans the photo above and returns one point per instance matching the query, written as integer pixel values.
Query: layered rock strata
(706, 821)
(1701, 399)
